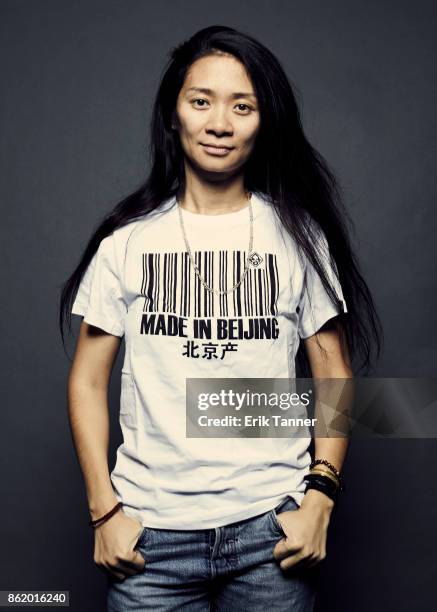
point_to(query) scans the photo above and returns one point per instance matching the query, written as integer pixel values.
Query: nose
(218, 122)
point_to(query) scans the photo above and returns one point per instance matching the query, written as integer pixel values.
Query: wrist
(99, 508)
(316, 499)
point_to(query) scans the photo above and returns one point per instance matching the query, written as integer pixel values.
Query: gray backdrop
(78, 81)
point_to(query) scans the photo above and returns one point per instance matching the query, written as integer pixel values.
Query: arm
(306, 528)
(335, 365)
(115, 539)
(88, 413)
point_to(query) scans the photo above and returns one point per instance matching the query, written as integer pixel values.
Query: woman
(231, 261)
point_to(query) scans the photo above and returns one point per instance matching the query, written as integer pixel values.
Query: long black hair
(284, 166)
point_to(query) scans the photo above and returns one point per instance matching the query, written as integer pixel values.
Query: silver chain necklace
(196, 269)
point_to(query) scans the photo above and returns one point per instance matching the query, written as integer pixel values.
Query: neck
(213, 198)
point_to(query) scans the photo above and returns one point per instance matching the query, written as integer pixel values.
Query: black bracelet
(322, 484)
(107, 516)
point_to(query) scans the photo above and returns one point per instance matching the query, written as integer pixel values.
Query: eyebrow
(210, 92)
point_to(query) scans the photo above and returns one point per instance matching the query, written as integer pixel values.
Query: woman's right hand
(114, 546)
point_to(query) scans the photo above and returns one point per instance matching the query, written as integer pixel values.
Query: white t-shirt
(141, 285)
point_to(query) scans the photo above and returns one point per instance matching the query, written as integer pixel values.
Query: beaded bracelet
(107, 516)
(325, 462)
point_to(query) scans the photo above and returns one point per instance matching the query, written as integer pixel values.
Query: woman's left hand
(305, 530)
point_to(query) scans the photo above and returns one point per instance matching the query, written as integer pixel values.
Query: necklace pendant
(254, 259)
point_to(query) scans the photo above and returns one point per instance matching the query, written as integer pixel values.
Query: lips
(216, 150)
(205, 144)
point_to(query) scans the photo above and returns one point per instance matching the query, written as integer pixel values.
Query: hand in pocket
(305, 529)
(114, 546)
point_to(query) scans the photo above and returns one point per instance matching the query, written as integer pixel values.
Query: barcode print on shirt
(170, 284)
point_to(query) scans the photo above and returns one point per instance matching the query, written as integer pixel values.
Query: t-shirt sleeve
(315, 305)
(99, 298)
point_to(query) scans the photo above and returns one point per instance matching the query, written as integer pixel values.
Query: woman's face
(217, 106)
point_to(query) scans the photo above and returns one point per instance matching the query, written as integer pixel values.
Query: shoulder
(121, 236)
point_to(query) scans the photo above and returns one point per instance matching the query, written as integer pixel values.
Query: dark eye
(199, 100)
(246, 108)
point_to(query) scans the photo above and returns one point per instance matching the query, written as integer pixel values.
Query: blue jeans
(223, 568)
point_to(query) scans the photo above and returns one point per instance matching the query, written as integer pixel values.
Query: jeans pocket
(142, 538)
(289, 504)
(275, 523)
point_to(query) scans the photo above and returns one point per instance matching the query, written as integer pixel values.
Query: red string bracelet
(106, 516)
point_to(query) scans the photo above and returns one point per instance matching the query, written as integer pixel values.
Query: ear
(174, 121)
